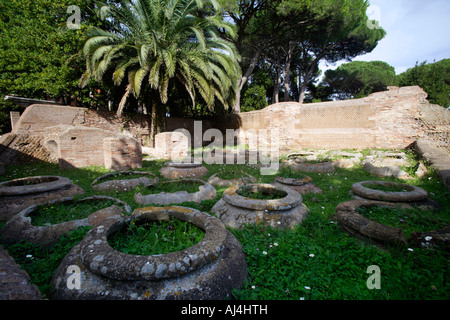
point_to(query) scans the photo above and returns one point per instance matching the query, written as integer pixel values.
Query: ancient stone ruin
(361, 227)
(236, 210)
(107, 182)
(18, 194)
(177, 170)
(211, 269)
(402, 193)
(20, 227)
(205, 192)
(216, 181)
(303, 185)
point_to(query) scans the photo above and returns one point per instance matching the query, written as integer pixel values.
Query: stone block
(122, 153)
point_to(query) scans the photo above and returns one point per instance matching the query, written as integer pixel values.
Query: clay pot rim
(413, 193)
(291, 200)
(182, 165)
(104, 177)
(293, 181)
(55, 183)
(153, 267)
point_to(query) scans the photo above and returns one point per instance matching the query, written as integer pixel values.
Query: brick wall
(122, 153)
(389, 119)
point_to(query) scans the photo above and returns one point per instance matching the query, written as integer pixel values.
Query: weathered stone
(409, 194)
(387, 164)
(20, 226)
(236, 211)
(218, 182)
(124, 184)
(211, 269)
(14, 281)
(302, 186)
(438, 158)
(174, 170)
(18, 194)
(421, 170)
(346, 159)
(321, 167)
(359, 226)
(122, 153)
(205, 192)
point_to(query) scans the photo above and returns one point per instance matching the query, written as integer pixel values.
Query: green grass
(171, 187)
(157, 237)
(260, 195)
(338, 269)
(387, 188)
(61, 212)
(407, 219)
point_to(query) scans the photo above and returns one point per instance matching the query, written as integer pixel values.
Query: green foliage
(336, 271)
(434, 78)
(157, 237)
(40, 263)
(407, 219)
(155, 43)
(58, 213)
(358, 79)
(39, 55)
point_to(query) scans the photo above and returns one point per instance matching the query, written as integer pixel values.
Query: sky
(417, 30)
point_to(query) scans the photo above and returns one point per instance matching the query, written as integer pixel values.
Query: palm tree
(159, 42)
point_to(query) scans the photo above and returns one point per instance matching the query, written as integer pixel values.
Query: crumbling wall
(392, 119)
(388, 119)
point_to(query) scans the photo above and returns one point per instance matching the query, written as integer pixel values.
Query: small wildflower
(428, 238)
(270, 246)
(253, 287)
(29, 256)
(264, 252)
(307, 288)
(410, 249)
(311, 255)
(302, 298)
(275, 244)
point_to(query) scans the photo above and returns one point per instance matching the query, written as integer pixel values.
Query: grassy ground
(315, 261)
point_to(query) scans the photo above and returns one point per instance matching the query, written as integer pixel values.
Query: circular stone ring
(291, 200)
(410, 194)
(102, 259)
(147, 179)
(31, 185)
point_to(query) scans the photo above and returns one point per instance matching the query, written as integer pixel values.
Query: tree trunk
(287, 72)
(244, 78)
(158, 119)
(276, 89)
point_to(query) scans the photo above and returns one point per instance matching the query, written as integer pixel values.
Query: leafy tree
(256, 90)
(434, 78)
(157, 43)
(340, 31)
(358, 79)
(39, 54)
